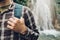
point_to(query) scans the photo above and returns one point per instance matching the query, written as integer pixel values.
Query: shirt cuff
(28, 34)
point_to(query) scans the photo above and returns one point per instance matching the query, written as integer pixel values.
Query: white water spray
(43, 14)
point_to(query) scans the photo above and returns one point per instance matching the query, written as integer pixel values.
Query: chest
(4, 18)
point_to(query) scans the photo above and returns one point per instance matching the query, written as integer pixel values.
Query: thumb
(21, 19)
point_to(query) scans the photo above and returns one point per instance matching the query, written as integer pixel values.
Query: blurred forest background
(23, 2)
(58, 6)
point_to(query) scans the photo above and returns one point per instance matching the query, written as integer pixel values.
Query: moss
(23, 2)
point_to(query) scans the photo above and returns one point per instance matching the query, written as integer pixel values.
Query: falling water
(43, 14)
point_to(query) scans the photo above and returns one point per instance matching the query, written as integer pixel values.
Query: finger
(10, 23)
(18, 19)
(15, 18)
(11, 19)
(22, 19)
(10, 27)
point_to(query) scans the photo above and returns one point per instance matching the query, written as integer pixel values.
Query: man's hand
(17, 25)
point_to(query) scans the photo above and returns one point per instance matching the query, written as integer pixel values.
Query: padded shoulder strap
(18, 10)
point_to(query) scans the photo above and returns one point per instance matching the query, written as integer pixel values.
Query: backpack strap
(18, 10)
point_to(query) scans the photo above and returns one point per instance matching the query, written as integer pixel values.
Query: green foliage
(23, 2)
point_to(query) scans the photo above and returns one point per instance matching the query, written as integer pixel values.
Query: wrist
(24, 30)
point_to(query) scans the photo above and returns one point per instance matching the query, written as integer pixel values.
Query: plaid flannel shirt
(7, 34)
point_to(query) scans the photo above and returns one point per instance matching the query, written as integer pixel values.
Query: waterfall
(43, 14)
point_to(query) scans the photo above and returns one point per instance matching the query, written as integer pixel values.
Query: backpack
(18, 10)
